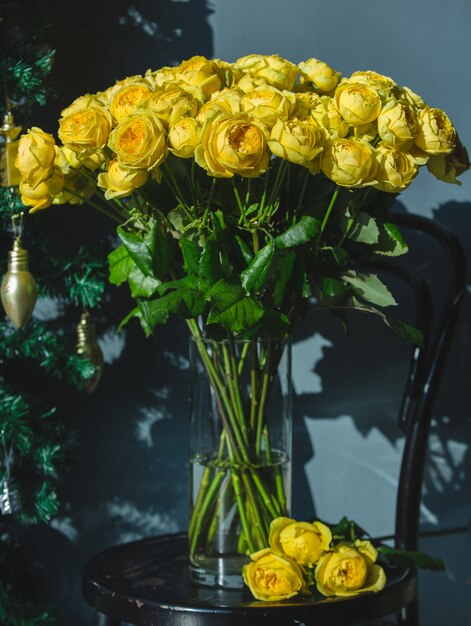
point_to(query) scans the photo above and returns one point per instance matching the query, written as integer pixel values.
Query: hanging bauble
(9, 499)
(9, 174)
(88, 348)
(18, 288)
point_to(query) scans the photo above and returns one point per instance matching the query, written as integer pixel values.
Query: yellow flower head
(233, 144)
(436, 134)
(347, 570)
(118, 182)
(318, 74)
(396, 170)
(85, 128)
(350, 163)
(35, 156)
(268, 104)
(357, 103)
(272, 578)
(273, 69)
(42, 195)
(302, 541)
(184, 136)
(139, 141)
(298, 141)
(127, 98)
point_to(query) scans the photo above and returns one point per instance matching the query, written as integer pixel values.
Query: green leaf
(142, 286)
(363, 230)
(162, 249)
(254, 277)
(391, 242)
(150, 314)
(132, 314)
(244, 249)
(191, 255)
(405, 331)
(284, 264)
(181, 296)
(411, 559)
(210, 268)
(369, 287)
(138, 250)
(334, 290)
(120, 265)
(231, 308)
(299, 233)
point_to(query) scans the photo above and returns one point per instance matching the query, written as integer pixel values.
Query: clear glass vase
(240, 452)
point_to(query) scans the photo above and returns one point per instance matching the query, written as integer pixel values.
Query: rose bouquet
(244, 193)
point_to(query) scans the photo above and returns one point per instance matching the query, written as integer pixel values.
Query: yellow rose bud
(397, 124)
(126, 99)
(446, 167)
(139, 141)
(384, 86)
(320, 75)
(302, 541)
(436, 134)
(357, 103)
(85, 129)
(83, 102)
(68, 159)
(272, 68)
(42, 195)
(226, 100)
(35, 156)
(415, 101)
(249, 81)
(272, 578)
(161, 77)
(201, 72)
(184, 136)
(172, 103)
(297, 141)
(347, 570)
(119, 182)
(326, 115)
(233, 144)
(396, 170)
(268, 104)
(350, 163)
(305, 102)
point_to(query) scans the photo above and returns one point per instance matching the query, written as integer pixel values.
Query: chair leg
(100, 619)
(410, 615)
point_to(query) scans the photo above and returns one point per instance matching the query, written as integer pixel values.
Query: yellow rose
(172, 103)
(305, 102)
(297, 141)
(68, 159)
(396, 170)
(202, 73)
(384, 86)
(274, 69)
(357, 103)
(83, 102)
(397, 124)
(347, 570)
(184, 136)
(233, 144)
(326, 115)
(139, 141)
(231, 73)
(302, 541)
(436, 134)
(119, 182)
(415, 101)
(85, 129)
(268, 104)
(227, 100)
(350, 163)
(272, 578)
(41, 195)
(126, 99)
(35, 156)
(249, 81)
(446, 167)
(160, 77)
(320, 75)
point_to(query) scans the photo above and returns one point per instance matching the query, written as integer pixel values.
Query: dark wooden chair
(147, 583)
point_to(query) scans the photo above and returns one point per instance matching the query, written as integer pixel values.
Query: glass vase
(240, 452)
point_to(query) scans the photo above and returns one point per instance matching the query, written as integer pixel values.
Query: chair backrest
(427, 365)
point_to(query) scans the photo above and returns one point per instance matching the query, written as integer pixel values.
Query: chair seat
(147, 582)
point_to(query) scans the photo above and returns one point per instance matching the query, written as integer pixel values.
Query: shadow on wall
(348, 390)
(111, 40)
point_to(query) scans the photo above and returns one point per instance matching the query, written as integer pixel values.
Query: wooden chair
(146, 582)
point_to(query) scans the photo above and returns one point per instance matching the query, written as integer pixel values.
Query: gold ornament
(9, 174)
(88, 347)
(18, 288)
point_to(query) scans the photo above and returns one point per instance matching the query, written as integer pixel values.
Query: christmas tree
(44, 271)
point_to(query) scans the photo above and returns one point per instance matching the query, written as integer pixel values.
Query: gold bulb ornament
(18, 289)
(88, 348)
(9, 174)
